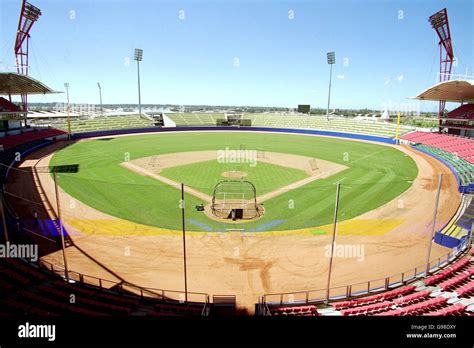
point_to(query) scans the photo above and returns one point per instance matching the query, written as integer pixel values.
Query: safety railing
(362, 288)
(131, 289)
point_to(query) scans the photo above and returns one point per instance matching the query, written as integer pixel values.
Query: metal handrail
(143, 291)
(417, 272)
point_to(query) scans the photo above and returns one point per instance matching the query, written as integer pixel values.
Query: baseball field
(294, 176)
(121, 209)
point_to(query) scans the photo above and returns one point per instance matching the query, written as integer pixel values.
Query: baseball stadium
(175, 213)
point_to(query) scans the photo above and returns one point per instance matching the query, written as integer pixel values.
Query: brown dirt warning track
(394, 238)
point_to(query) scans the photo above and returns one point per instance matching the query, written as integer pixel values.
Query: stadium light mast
(100, 96)
(439, 22)
(61, 226)
(334, 231)
(28, 16)
(331, 61)
(184, 245)
(138, 58)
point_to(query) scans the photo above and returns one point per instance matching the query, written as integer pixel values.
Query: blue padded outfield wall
(448, 241)
(233, 128)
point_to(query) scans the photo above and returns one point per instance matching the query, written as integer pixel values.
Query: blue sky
(382, 55)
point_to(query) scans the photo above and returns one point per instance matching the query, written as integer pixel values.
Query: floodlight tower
(331, 62)
(28, 16)
(439, 22)
(138, 58)
(100, 96)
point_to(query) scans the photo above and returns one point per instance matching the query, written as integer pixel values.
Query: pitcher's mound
(234, 174)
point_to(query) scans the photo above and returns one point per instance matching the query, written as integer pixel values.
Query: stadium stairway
(460, 224)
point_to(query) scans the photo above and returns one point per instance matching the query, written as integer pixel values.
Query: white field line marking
(295, 185)
(305, 181)
(170, 182)
(260, 198)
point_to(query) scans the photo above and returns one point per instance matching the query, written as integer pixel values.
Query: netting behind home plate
(235, 199)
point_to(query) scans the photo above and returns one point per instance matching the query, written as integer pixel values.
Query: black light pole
(433, 226)
(4, 218)
(100, 96)
(184, 244)
(138, 58)
(331, 61)
(334, 229)
(61, 227)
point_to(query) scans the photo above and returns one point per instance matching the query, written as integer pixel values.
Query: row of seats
(448, 292)
(441, 276)
(460, 146)
(412, 298)
(105, 123)
(464, 168)
(466, 290)
(26, 289)
(386, 295)
(6, 106)
(263, 120)
(455, 309)
(455, 281)
(11, 141)
(295, 310)
(420, 308)
(465, 111)
(371, 308)
(294, 121)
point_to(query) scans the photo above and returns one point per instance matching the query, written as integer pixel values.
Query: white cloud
(340, 77)
(400, 78)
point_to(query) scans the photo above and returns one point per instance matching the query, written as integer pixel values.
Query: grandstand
(104, 123)
(31, 290)
(460, 121)
(29, 135)
(8, 108)
(460, 146)
(339, 124)
(457, 152)
(458, 90)
(442, 286)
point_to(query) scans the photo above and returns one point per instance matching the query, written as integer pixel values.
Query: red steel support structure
(439, 22)
(28, 16)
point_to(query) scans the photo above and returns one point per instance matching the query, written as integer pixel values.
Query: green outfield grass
(376, 175)
(204, 176)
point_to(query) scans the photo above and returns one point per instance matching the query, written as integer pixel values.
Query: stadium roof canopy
(458, 91)
(15, 84)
